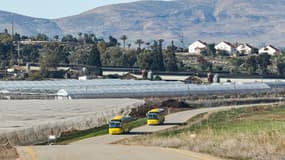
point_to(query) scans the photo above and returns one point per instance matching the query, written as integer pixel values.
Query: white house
(197, 47)
(269, 50)
(226, 47)
(246, 49)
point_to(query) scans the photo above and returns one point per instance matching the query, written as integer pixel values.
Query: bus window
(152, 116)
(114, 124)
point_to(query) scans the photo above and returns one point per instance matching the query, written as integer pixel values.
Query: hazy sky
(53, 8)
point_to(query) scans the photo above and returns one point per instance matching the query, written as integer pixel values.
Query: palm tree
(56, 37)
(79, 36)
(124, 38)
(148, 44)
(139, 42)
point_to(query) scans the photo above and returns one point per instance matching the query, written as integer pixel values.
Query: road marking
(31, 152)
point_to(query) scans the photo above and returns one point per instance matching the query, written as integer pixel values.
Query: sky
(54, 8)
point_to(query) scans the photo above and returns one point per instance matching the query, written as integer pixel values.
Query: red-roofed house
(269, 50)
(246, 49)
(225, 47)
(197, 47)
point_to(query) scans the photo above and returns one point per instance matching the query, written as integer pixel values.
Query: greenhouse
(116, 88)
(162, 90)
(54, 85)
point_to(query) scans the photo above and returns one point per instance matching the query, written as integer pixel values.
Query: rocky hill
(28, 25)
(253, 21)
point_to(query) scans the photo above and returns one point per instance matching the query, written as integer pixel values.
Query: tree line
(93, 52)
(85, 50)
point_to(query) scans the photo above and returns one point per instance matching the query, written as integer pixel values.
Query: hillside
(27, 25)
(252, 21)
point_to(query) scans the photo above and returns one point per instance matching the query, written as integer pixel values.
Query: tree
(51, 56)
(114, 56)
(93, 38)
(281, 68)
(251, 64)
(170, 61)
(147, 44)
(68, 38)
(204, 64)
(8, 54)
(80, 36)
(130, 58)
(48, 62)
(210, 50)
(124, 38)
(145, 59)
(139, 42)
(93, 58)
(56, 37)
(87, 38)
(263, 61)
(16, 37)
(102, 46)
(30, 53)
(236, 63)
(41, 37)
(153, 58)
(156, 51)
(112, 42)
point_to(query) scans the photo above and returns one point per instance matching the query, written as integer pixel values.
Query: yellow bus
(155, 116)
(119, 125)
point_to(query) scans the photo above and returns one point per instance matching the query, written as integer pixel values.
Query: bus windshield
(114, 124)
(152, 116)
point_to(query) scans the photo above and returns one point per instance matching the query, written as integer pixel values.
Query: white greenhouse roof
(162, 90)
(55, 85)
(104, 88)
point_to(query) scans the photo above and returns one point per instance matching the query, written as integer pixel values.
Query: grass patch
(241, 120)
(80, 135)
(93, 132)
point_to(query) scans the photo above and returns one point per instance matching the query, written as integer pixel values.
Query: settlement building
(197, 47)
(246, 49)
(269, 50)
(225, 47)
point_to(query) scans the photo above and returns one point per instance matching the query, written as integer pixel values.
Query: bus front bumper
(153, 122)
(115, 131)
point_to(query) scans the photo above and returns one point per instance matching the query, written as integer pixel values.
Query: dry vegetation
(243, 134)
(8, 153)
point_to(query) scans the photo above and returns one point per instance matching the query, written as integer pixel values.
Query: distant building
(31, 42)
(225, 47)
(271, 50)
(197, 47)
(246, 49)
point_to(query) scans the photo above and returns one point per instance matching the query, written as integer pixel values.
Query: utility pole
(18, 59)
(12, 25)
(182, 41)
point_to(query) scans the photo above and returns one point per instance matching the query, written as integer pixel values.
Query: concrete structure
(271, 50)
(197, 47)
(246, 49)
(225, 47)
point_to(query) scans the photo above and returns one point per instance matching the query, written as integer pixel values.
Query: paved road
(100, 147)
